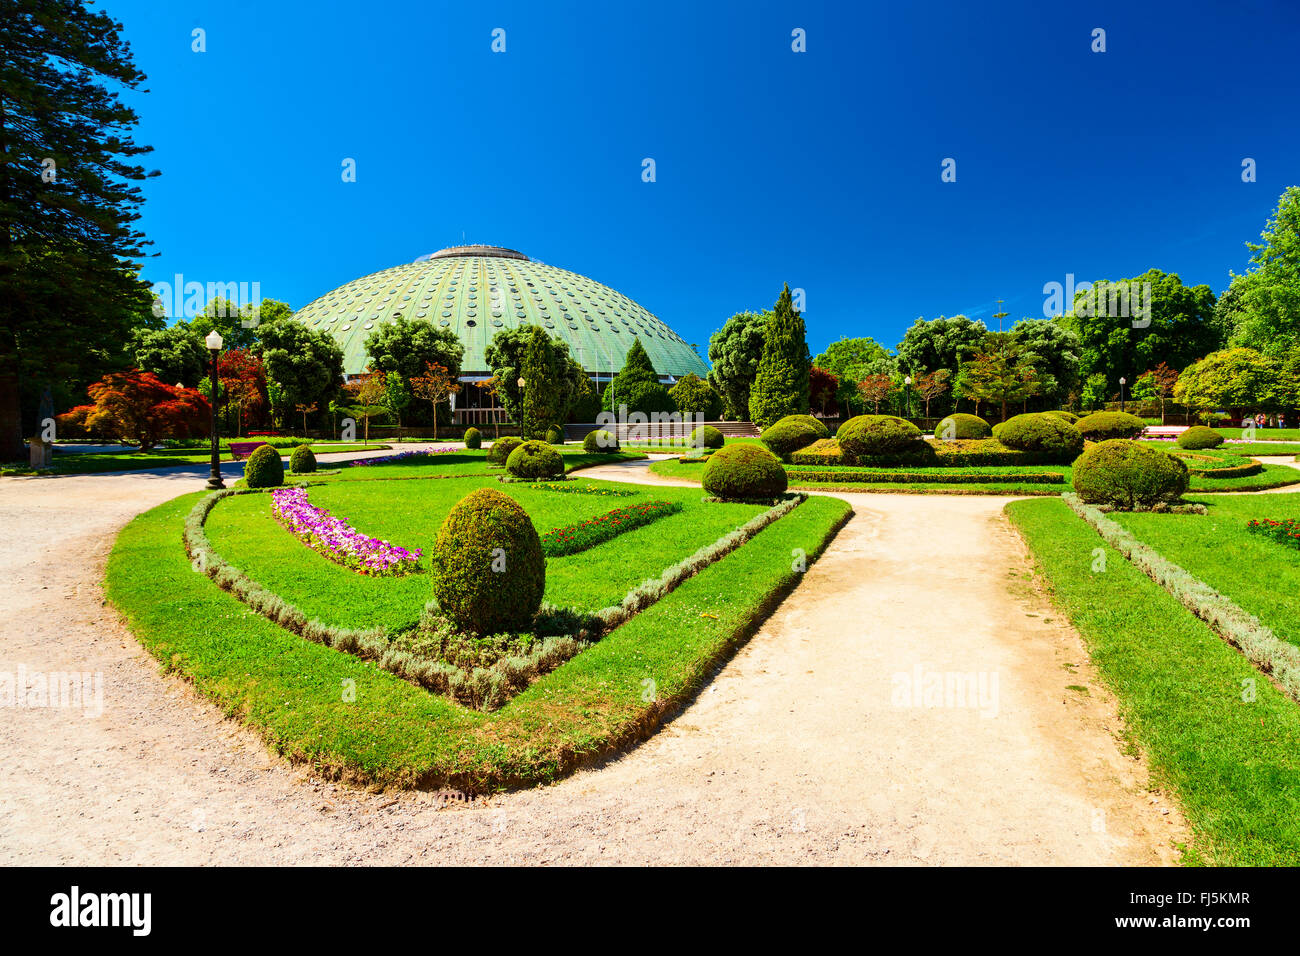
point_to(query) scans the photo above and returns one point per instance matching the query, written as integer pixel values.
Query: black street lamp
(213, 342)
(1122, 382)
(907, 396)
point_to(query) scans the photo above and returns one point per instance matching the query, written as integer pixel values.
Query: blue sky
(820, 169)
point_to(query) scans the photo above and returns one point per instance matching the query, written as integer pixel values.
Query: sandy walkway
(798, 752)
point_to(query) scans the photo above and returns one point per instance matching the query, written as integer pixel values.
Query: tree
(173, 353)
(505, 357)
(929, 345)
(1156, 383)
(141, 407)
(781, 384)
(544, 403)
(1234, 378)
(1054, 348)
(243, 385)
(1267, 297)
(70, 293)
(304, 411)
(851, 360)
(303, 366)
(694, 396)
(397, 395)
(637, 385)
(1001, 372)
(434, 386)
(406, 346)
(822, 388)
(876, 389)
(734, 352)
(370, 390)
(238, 325)
(930, 385)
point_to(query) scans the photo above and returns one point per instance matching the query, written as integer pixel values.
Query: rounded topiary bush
(501, 449)
(1198, 436)
(961, 425)
(1100, 426)
(706, 436)
(744, 472)
(786, 436)
(1128, 474)
(534, 460)
(473, 438)
(1040, 432)
(1062, 414)
(264, 468)
(303, 460)
(877, 435)
(600, 442)
(488, 568)
(555, 435)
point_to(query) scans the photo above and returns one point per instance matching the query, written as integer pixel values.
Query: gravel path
(799, 751)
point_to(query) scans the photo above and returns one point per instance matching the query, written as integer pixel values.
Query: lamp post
(451, 401)
(213, 342)
(907, 395)
(1122, 382)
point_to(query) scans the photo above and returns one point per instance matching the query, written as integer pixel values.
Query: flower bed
(576, 489)
(579, 537)
(336, 539)
(1286, 531)
(403, 456)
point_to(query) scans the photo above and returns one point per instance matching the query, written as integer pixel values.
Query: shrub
(555, 435)
(264, 468)
(535, 459)
(1100, 426)
(501, 449)
(1039, 432)
(473, 438)
(706, 436)
(1063, 415)
(960, 425)
(792, 433)
(744, 472)
(487, 566)
(600, 441)
(302, 461)
(1198, 436)
(825, 451)
(877, 435)
(1128, 474)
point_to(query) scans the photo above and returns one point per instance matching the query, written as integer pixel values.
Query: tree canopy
(781, 384)
(1265, 301)
(734, 351)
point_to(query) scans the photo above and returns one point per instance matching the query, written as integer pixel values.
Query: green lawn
(1264, 434)
(1234, 765)
(468, 461)
(87, 463)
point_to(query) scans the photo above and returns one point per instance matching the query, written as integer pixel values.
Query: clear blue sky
(820, 169)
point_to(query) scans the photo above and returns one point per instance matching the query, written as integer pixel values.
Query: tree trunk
(12, 447)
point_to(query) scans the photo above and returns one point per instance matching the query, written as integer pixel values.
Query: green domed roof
(476, 291)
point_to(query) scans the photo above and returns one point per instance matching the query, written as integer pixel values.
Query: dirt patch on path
(799, 751)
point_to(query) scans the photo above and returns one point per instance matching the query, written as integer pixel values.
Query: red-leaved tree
(243, 385)
(821, 388)
(138, 406)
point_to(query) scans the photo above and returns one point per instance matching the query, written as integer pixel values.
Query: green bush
(264, 468)
(473, 438)
(501, 449)
(600, 441)
(1198, 436)
(1128, 474)
(959, 425)
(706, 436)
(1043, 433)
(488, 568)
(1063, 415)
(877, 435)
(744, 472)
(302, 461)
(555, 435)
(1100, 426)
(535, 459)
(790, 434)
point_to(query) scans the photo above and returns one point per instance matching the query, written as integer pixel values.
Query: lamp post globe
(1122, 382)
(213, 341)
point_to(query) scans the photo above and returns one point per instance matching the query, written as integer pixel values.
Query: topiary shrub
(600, 442)
(555, 435)
(786, 436)
(1040, 432)
(959, 425)
(877, 435)
(535, 459)
(1198, 436)
(1063, 415)
(744, 472)
(1128, 475)
(488, 568)
(302, 461)
(473, 438)
(1100, 426)
(706, 436)
(501, 449)
(264, 468)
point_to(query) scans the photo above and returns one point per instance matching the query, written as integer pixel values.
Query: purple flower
(336, 539)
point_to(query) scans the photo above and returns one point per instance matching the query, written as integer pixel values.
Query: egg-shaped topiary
(600, 442)
(1198, 436)
(1100, 426)
(534, 460)
(264, 468)
(706, 436)
(501, 449)
(473, 438)
(1062, 414)
(1043, 433)
(786, 436)
(555, 435)
(302, 461)
(877, 435)
(488, 568)
(960, 425)
(1128, 474)
(744, 473)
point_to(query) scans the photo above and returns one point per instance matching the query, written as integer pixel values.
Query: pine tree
(637, 385)
(781, 385)
(542, 399)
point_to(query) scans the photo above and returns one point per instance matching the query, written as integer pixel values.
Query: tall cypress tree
(542, 398)
(781, 385)
(637, 385)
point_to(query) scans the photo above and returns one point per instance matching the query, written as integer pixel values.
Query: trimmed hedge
(1198, 436)
(473, 438)
(1128, 475)
(877, 435)
(600, 442)
(1039, 432)
(960, 425)
(554, 435)
(1100, 426)
(1064, 415)
(706, 436)
(302, 461)
(744, 473)
(1219, 466)
(535, 459)
(264, 468)
(854, 476)
(933, 453)
(501, 450)
(783, 438)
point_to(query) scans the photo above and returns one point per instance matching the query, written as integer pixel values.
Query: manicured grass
(1264, 434)
(1235, 765)
(393, 733)
(468, 461)
(87, 463)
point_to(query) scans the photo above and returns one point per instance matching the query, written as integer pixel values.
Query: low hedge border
(573, 489)
(512, 480)
(1243, 630)
(956, 453)
(1224, 466)
(926, 477)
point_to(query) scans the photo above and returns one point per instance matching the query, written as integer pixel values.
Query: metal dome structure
(477, 291)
